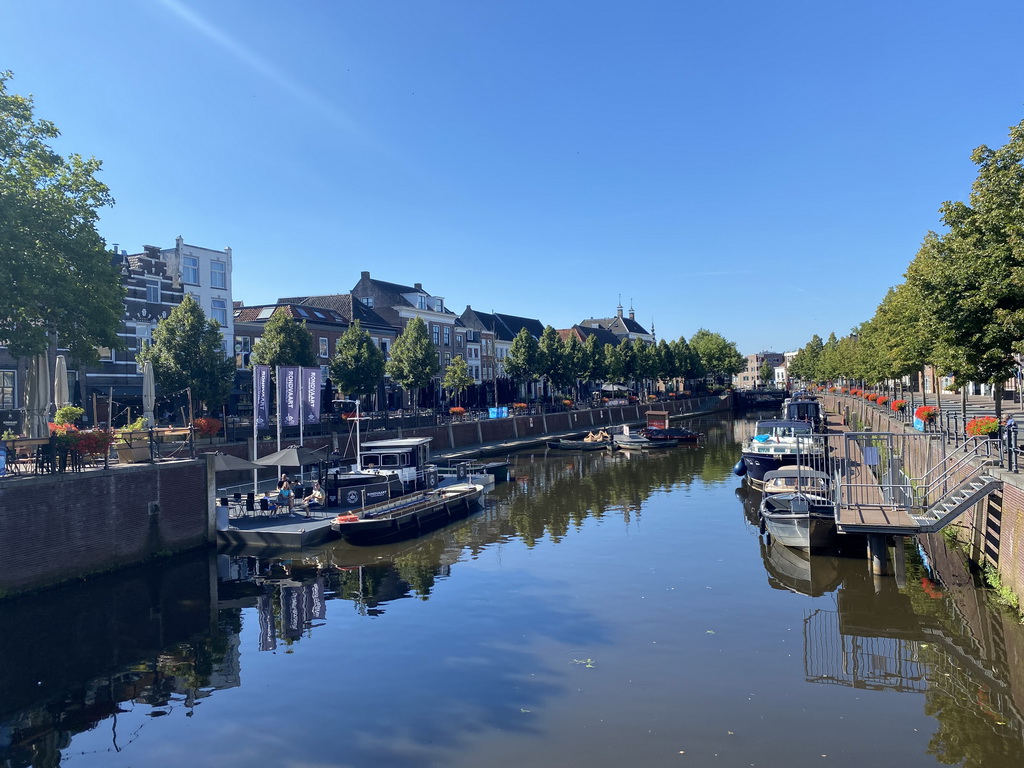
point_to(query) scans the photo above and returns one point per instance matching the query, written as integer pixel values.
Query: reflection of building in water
(876, 663)
(147, 636)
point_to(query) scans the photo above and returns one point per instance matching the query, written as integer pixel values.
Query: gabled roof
(344, 304)
(620, 326)
(507, 327)
(310, 314)
(604, 336)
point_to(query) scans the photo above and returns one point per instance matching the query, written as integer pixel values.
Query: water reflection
(116, 662)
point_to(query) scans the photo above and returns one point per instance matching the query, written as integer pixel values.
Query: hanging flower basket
(457, 410)
(982, 426)
(898, 405)
(872, 397)
(882, 400)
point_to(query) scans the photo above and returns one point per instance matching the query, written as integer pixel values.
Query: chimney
(618, 312)
(366, 275)
(418, 286)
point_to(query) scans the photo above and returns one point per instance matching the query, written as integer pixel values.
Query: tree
(805, 362)
(357, 367)
(56, 276)
(413, 360)
(975, 292)
(188, 352)
(575, 364)
(551, 359)
(767, 373)
(718, 357)
(594, 359)
(284, 342)
(646, 362)
(456, 378)
(522, 364)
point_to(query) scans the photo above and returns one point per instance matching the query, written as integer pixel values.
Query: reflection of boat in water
(799, 571)
(408, 516)
(635, 441)
(797, 508)
(581, 445)
(679, 434)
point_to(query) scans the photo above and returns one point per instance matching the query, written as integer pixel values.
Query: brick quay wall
(62, 527)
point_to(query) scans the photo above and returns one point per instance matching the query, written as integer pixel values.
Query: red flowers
(206, 426)
(982, 425)
(926, 413)
(898, 405)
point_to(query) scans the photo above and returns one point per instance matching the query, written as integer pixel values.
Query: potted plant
(457, 411)
(898, 406)
(882, 400)
(983, 426)
(926, 413)
(207, 426)
(131, 442)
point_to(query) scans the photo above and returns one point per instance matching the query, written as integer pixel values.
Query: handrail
(966, 458)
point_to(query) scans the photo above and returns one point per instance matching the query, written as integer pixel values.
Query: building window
(218, 275)
(7, 390)
(367, 301)
(421, 302)
(447, 359)
(458, 340)
(384, 347)
(447, 336)
(220, 312)
(153, 291)
(436, 334)
(190, 270)
(105, 354)
(323, 346)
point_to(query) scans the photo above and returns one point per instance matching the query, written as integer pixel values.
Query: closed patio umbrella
(37, 396)
(148, 393)
(61, 395)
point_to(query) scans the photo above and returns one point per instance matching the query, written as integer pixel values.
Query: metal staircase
(956, 502)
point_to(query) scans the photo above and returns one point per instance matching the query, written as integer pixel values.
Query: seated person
(285, 496)
(316, 498)
(270, 504)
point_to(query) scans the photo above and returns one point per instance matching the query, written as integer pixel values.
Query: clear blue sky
(765, 170)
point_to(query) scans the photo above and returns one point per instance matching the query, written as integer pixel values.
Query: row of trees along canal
(57, 280)
(960, 309)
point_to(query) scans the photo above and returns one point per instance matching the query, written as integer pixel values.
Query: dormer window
(421, 302)
(367, 301)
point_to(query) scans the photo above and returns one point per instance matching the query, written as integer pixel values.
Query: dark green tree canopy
(188, 351)
(523, 360)
(357, 367)
(456, 377)
(284, 342)
(718, 356)
(55, 273)
(413, 360)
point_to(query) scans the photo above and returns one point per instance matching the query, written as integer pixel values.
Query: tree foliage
(357, 367)
(456, 377)
(523, 361)
(413, 360)
(718, 356)
(55, 273)
(284, 342)
(188, 352)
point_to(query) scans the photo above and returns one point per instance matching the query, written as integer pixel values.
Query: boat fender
(346, 518)
(462, 472)
(760, 525)
(740, 469)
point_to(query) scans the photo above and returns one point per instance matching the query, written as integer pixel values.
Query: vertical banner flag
(311, 378)
(288, 395)
(261, 395)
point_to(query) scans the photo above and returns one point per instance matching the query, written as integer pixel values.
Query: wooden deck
(863, 508)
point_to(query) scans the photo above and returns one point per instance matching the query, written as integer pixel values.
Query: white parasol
(61, 394)
(148, 393)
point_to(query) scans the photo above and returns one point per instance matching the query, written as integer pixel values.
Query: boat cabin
(657, 420)
(801, 409)
(408, 457)
(780, 428)
(797, 479)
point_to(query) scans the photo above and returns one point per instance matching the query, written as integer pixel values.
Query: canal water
(602, 610)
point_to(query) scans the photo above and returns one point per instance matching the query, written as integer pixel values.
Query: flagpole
(255, 434)
(302, 398)
(278, 370)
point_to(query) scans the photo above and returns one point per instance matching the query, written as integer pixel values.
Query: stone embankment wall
(993, 529)
(55, 528)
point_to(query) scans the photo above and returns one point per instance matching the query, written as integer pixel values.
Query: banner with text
(261, 395)
(311, 379)
(288, 395)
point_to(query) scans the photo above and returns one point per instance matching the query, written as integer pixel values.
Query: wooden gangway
(904, 484)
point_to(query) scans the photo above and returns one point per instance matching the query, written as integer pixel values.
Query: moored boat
(778, 443)
(798, 509)
(679, 434)
(408, 516)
